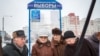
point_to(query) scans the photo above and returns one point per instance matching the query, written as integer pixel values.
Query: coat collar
(48, 44)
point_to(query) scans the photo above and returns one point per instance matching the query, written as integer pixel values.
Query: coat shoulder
(8, 50)
(8, 47)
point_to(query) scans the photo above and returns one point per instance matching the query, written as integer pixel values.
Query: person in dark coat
(71, 41)
(94, 40)
(17, 47)
(0, 46)
(57, 42)
(42, 47)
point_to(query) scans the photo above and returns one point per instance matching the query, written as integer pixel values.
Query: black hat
(69, 34)
(19, 33)
(56, 31)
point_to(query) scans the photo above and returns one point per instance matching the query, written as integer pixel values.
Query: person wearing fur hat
(42, 47)
(71, 41)
(17, 47)
(57, 42)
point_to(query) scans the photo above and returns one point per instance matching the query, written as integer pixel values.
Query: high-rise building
(71, 22)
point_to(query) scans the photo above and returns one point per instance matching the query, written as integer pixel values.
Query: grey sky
(18, 10)
(80, 7)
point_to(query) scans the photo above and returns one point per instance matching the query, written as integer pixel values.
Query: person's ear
(15, 39)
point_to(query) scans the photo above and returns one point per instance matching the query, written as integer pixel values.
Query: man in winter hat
(17, 47)
(57, 42)
(71, 42)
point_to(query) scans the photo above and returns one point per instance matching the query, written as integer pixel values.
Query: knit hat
(69, 34)
(18, 33)
(43, 32)
(56, 31)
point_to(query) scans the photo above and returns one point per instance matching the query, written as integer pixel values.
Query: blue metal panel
(35, 15)
(45, 0)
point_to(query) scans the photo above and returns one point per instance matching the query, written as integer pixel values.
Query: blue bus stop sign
(35, 15)
(45, 0)
(44, 5)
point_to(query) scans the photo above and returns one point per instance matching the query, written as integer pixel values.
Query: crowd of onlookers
(60, 45)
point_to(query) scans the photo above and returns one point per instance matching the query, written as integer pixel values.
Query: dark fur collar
(48, 44)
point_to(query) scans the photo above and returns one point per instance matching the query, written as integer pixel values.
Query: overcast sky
(19, 12)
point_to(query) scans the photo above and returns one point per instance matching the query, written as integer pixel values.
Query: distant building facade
(72, 22)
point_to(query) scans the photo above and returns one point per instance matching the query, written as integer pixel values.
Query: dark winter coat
(94, 41)
(40, 49)
(86, 49)
(0, 46)
(58, 48)
(12, 50)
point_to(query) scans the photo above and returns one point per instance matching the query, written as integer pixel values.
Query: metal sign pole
(29, 39)
(60, 20)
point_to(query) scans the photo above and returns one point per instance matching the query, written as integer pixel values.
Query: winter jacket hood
(94, 37)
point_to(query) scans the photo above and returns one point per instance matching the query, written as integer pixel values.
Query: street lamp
(3, 32)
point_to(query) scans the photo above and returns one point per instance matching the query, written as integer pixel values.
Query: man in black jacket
(17, 47)
(71, 43)
(94, 40)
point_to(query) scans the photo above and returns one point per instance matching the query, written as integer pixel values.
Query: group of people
(60, 45)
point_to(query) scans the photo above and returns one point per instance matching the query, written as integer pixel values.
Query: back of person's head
(98, 35)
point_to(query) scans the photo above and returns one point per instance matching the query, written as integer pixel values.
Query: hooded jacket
(94, 41)
(86, 49)
(42, 49)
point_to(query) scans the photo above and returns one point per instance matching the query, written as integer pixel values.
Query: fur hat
(18, 33)
(56, 31)
(69, 34)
